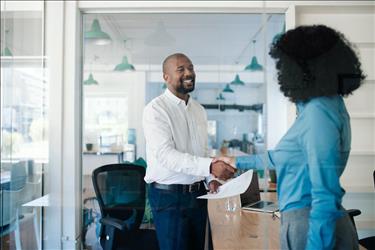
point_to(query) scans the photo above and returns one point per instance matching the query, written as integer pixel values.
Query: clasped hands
(223, 168)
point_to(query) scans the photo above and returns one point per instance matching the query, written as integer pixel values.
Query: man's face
(180, 74)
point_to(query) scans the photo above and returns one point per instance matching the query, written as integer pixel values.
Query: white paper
(233, 187)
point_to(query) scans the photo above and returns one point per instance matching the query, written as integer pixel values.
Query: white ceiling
(208, 39)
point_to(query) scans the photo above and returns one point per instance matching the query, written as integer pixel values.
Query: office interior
(76, 75)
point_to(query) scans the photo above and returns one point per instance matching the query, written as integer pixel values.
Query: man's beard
(184, 90)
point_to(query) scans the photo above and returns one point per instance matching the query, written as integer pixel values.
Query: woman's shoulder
(324, 106)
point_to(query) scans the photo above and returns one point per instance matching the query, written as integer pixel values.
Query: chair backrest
(120, 188)
(9, 203)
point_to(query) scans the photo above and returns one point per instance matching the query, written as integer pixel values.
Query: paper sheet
(233, 187)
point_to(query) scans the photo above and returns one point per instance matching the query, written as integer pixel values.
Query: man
(175, 128)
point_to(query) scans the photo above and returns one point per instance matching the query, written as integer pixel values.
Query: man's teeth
(188, 81)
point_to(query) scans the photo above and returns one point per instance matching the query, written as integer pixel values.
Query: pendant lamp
(227, 89)
(124, 65)
(160, 37)
(220, 97)
(278, 35)
(90, 80)
(237, 81)
(97, 35)
(164, 86)
(6, 51)
(254, 65)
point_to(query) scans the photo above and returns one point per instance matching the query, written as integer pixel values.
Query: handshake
(222, 168)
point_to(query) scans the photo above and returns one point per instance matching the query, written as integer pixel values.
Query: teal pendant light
(278, 35)
(90, 80)
(97, 35)
(220, 97)
(254, 65)
(237, 81)
(164, 86)
(124, 65)
(6, 52)
(227, 89)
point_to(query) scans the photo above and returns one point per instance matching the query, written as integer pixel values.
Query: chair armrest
(353, 212)
(120, 224)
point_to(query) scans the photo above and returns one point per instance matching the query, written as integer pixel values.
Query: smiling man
(175, 128)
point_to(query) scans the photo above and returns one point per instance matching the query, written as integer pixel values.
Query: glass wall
(122, 73)
(24, 123)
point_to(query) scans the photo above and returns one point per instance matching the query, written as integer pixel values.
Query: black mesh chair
(121, 191)
(368, 242)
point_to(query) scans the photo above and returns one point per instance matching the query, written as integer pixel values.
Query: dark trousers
(180, 218)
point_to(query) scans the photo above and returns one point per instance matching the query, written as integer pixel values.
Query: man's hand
(214, 186)
(229, 160)
(222, 170)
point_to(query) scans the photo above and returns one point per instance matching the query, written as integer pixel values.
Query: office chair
(121, 193)
(368, 242)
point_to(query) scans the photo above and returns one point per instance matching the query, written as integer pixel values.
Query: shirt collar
(174, 98)
(300, 107)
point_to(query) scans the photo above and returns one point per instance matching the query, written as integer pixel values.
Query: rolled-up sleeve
(159, 139)
(321, 144)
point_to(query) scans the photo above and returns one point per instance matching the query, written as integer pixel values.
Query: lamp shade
(227, 89)
(164, 86)
(97, 35)
(160, 37)
(254, 65)
(220, 97)
(124, 65)
(6, 52)
(237, 81)
(90, 80)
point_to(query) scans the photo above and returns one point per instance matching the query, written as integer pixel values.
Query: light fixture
(6, 51)
(254, 65)
(237, 81)
(220, 97)
(160, 37)
(278, 35)
(90, 80)
(227, 89)
(164, 86)
(124, 65)
(97, 35)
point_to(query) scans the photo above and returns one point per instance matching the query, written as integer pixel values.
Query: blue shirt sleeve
(256, 161)
(321, 144)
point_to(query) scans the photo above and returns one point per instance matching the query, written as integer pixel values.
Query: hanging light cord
(251, 40)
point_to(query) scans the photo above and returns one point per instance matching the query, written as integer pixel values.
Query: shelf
(362, 152)
(362, 116)
(241, 108)
(22, 59)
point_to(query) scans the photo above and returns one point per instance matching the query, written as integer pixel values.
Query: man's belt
(180, 187)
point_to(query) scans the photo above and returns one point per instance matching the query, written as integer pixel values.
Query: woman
(316, 68)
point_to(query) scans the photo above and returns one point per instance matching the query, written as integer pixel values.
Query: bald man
(175, 128)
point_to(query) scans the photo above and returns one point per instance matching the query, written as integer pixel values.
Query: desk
(243, 229)
(38, 203)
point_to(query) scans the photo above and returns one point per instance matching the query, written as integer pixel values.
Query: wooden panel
(362, 101)
(357, 23)
(363, 134)
(367, 57)
(358, 173)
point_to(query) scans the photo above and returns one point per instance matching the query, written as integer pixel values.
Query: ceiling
(208, 39)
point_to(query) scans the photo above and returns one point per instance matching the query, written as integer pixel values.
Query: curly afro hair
(314, 61)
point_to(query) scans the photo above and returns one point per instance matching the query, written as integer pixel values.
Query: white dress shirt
(176, 140)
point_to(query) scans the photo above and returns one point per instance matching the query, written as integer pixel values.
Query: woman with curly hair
(316, 67)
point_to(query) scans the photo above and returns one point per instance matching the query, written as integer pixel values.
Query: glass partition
(24, 123)
(122, 73)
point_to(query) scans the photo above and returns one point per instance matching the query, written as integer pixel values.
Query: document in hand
(233, 187)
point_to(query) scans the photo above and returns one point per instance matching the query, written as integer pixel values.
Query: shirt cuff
(204, 166)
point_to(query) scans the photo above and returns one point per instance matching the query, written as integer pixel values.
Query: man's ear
(165, 77)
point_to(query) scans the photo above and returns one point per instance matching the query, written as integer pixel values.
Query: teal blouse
(309, 161)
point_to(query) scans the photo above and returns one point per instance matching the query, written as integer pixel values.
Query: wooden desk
(243, 229)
